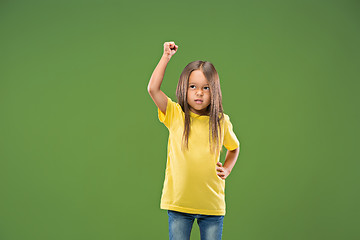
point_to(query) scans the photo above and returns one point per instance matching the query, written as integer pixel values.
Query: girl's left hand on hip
(222, 171)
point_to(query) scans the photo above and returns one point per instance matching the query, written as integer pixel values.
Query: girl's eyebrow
(195, 84)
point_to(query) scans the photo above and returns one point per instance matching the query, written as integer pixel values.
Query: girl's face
(198, 93)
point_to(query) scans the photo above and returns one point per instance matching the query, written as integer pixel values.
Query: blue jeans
(180, 225)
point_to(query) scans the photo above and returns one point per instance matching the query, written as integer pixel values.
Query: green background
(83, 154)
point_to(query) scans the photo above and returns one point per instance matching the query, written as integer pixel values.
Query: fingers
(220, 167)
(220, 170)
(171, 45)
(221, 175)
(170, 49)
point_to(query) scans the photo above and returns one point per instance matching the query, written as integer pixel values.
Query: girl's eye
(191, 86)
(207, 88)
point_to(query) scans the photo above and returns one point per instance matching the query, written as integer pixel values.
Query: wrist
(227, 168)
(166, 57)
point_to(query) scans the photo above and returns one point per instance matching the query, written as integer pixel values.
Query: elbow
(152, 89)
(236, 150)
(149, 89)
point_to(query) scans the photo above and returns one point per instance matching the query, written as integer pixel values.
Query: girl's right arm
(159, 98)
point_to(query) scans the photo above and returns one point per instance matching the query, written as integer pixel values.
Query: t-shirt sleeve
(170, 114)
(230, 140)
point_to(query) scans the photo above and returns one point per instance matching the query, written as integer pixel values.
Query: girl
(194, 178)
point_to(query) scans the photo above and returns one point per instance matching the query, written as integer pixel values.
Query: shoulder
(226, 121)
(176, 106)
(174, 109)
(226, 118)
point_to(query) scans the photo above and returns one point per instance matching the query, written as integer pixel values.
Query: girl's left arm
(230, 159)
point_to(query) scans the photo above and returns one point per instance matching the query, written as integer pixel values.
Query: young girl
(194, 185)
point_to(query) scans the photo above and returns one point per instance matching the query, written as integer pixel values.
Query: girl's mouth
(198, 101)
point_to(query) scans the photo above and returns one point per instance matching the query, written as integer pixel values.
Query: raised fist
(170, 49)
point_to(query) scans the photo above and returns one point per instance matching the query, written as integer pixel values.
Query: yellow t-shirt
(191, 184)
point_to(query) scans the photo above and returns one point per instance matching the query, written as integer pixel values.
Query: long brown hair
(215, 109)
